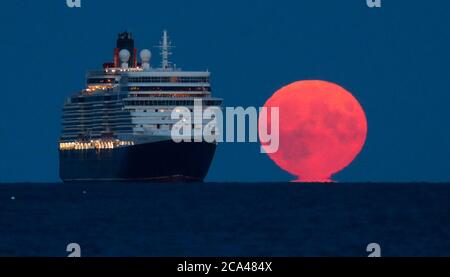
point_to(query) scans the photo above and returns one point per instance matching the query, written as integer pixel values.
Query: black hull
(151, 162)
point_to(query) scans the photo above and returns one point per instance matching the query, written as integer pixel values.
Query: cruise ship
(118, 128)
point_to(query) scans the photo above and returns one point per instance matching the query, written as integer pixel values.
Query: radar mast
(165, 46)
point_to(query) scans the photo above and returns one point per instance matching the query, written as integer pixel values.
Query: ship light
(94, 144)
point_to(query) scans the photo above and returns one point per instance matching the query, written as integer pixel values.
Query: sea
(224, 220)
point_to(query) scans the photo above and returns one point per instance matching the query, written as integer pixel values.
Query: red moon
(322, 129)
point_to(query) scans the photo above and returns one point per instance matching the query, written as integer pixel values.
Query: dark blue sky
(395, 60)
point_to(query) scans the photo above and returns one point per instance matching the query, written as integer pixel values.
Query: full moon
(322, 129)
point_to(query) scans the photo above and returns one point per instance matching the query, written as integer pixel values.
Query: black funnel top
(125, 41)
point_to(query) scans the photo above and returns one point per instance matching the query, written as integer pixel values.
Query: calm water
(224, 219)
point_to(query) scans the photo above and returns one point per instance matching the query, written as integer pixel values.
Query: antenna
(165, 47)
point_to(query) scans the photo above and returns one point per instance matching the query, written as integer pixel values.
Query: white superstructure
(129, 102)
